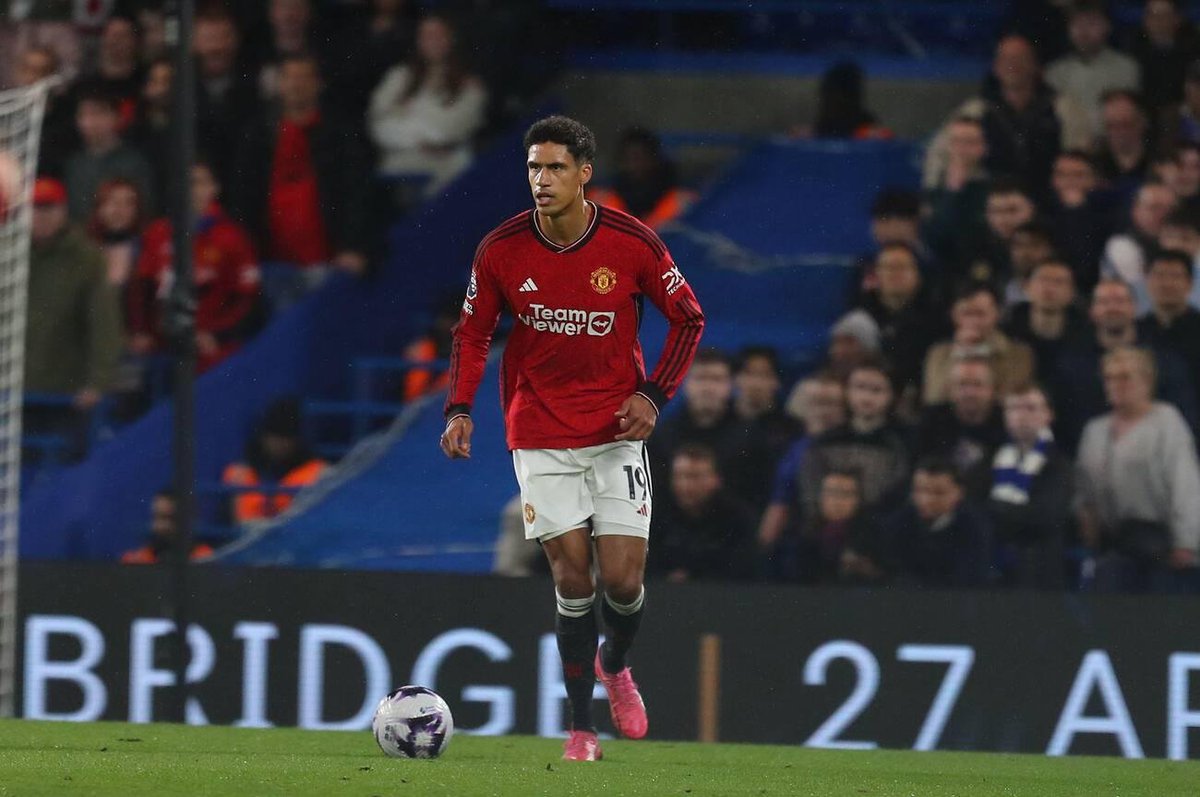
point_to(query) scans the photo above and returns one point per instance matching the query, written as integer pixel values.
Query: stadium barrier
(1040, 673)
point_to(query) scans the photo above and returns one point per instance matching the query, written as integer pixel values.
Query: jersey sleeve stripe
(675, 358)
(644, 234)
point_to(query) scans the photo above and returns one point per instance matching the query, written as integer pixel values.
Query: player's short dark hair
(711, 355)
(1173, 256)
(896, 203)
(749, 353)
(698, 452)
(574, 135)
(1007, 184)
(938, 465)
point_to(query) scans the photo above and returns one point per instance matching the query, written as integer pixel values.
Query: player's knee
(573, 583)
(624, 589)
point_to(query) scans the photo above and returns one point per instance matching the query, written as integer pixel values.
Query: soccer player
(577, 404)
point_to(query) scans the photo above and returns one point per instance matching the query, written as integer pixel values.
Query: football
(413, 722)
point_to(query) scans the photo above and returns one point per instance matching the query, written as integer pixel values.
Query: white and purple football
(413, 722)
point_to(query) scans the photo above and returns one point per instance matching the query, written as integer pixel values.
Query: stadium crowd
(1009, 399)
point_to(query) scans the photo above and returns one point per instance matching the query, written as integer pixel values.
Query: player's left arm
(664, 284)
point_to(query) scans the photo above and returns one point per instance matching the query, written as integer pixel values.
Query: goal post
(21, 112)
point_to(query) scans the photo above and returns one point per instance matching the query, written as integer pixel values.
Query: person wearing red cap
(73, 333)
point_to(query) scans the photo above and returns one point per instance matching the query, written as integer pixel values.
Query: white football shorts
(605, 487)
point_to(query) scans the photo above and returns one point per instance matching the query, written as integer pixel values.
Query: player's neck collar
(578, 243)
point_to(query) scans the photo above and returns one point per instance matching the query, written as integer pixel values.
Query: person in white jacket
(424, 114)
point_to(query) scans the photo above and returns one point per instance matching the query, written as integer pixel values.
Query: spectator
(371, 45)
(1079, 216)
(226, 97)
(756, 399)
(987, 258)
(1029, 245)
(163, 543)
(819, 403)
(870, 443)
(118, 66)
(1181, 124)
(1124, 157)
(1186, 183)
(424, 114)
(841, 109)
(277, 460)
(975, 313)
(516, 556)
(1030, 488)
(290, 35)
(226, 275)
(1164, 45)
(1049, 319)
(73, 332)
(1139, 487)
(937, 540)
(59, 135)
(1078, 390)
(431, 348)
(957, 204)
(838, 523)
(152, 22)
(103, 156)
(1172, 324)
(151, 130)
(707, 418)
(116, 226)
(968, 428)
(302, 173)
(1092, 67)
(909, 320)
(704, 531)
(895, 218)
(646, 184)
(1181, 233)
(1127, 253)
(1025, 123)
(852, 340)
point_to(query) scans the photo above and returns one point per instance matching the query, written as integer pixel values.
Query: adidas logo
(528, 286)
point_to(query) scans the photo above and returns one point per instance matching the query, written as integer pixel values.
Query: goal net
(20, 125)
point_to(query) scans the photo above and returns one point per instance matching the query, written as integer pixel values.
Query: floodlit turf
(116, 759)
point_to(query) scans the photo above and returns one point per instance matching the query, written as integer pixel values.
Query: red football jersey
(574, 355)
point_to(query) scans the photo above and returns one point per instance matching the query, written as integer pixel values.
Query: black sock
(577, 638)
(620, 627)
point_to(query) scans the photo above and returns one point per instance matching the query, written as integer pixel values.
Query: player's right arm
(468, 355)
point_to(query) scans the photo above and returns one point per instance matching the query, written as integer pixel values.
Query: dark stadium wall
(1038, 673)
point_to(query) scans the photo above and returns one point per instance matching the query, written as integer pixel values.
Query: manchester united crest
(530, 515)
(604, 280)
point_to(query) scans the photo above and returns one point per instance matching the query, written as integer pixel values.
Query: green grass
(116, 759)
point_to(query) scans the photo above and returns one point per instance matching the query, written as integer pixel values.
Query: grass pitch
(116, 759)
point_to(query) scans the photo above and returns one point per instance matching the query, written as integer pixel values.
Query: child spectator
(870, 443)
(1030, 487)
(424, 115)
(646, 185)
(104, 155)
(838, 522)
(937, 540)
(116, 225)
(756, 399)
(276, 457)
(703, 531)
(226, 275)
